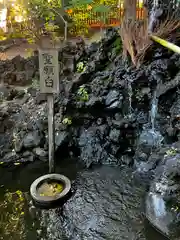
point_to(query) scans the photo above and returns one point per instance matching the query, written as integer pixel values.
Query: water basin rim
(155, 227)
(58, 177)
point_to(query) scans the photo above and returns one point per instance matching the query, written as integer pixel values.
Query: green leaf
(101, 9)
(79, 3)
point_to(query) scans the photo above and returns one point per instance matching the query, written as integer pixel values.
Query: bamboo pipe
(166, 44)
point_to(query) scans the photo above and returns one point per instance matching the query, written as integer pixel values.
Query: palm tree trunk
(128, 21)
(130, 10)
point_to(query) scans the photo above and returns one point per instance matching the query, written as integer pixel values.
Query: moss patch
(117, 45)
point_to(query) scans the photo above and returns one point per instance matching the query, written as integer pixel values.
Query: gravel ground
(25, 48)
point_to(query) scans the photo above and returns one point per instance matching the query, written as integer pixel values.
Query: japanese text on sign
(49, 70)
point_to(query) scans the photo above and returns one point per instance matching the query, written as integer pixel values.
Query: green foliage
(44, 8)
(80, 16)
(103, 11)
(28, 27)
(29, 52)
(79, 4)
(106, 2)
(117, 45)
(67, 121)
(86, 9)
(83, 95)
(37, 16)
(80, 67)
(171, 152)
(15, 34)
(2, 35)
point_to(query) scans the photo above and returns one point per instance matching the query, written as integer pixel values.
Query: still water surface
(20, 221)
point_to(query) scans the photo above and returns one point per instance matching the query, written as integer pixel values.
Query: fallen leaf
(17, 164)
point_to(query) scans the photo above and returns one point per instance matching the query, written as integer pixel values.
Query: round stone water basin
(50, 191)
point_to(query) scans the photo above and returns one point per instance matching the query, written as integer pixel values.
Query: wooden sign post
(49, 84)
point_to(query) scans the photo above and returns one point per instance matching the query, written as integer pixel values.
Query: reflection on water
(50, 189)
(18, 219)
(151, 233)
(21, 221)
(12, 216)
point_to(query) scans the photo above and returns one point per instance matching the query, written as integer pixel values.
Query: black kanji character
(47, 58)
(49, 70)
(49, 82)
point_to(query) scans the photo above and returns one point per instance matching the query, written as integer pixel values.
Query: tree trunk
(130, 10)
(128, 23)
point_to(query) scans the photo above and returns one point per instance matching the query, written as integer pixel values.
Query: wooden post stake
(49, 84)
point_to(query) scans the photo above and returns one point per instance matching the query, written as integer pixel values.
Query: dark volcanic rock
(162, 202)
(19, 71)
(101, 113)
(61, 138)
(102, 206)
(32, 139)
(112, 99)
(114, 135)
(175, 110)
(150, 139)
(92, 149)
(41, 153)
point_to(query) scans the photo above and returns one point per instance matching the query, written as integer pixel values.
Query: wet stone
(18, 145)
(60, 138)
(175, 110)
(40, 153)
(114, 135)
(111, 97)
(93, 101)
(150, 139)
(32, 139)
(28, 156)
(92, 150)
(11, 157)
(100, 209)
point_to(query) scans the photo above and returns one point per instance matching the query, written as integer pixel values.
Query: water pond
(19, 220)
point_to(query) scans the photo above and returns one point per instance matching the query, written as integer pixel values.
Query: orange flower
(89, 7)
(69, 11)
